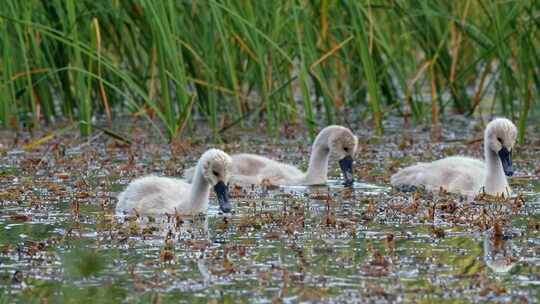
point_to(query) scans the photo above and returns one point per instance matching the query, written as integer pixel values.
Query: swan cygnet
(466, 175)
(158, 195)
(333, 141)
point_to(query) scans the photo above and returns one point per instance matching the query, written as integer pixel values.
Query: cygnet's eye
(500, 140)
(215, 173)
(346, 149)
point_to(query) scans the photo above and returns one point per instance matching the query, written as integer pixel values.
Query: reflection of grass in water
(81, 263)
(106, 293)
(33, 231)
(65, 292)
(536, 186)
(9, 171)
(78, 264)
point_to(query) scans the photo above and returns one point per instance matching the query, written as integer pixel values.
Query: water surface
(60, 240)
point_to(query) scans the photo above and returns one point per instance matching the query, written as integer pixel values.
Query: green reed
(271, 63)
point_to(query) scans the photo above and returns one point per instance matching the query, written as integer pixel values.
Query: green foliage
(233, 61)
(84, 264)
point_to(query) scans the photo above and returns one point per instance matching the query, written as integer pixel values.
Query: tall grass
(274, 63)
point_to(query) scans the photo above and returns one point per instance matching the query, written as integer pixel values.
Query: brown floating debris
(20, 218)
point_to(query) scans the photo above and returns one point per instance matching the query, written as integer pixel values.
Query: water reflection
(500, 254)
(291, 244)
(163, 227)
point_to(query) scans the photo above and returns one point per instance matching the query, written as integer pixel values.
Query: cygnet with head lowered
(335, 142)
(152, 195)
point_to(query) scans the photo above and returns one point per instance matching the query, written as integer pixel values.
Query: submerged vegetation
(235, 62)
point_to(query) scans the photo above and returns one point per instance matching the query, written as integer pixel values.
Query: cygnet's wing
(455, 174)
(255, 169)
(410, 176)
(153, 195)
(249, 164)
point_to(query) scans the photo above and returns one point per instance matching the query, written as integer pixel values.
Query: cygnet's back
(455, 174)
(336, 141)
(467, 175)
(158, 195)
(153, 195)
(253, 169)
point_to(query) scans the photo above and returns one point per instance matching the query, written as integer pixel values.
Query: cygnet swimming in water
(468, 175)
(152, 195)
(333, 141)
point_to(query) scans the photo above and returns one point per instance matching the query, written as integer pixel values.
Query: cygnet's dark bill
(346, 165)
(222, 193)
(506, 161)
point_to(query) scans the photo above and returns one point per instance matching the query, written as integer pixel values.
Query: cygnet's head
(216, 169)
(500, 137)
(342, 144)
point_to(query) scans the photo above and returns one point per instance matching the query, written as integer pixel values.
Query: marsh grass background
(234, 62)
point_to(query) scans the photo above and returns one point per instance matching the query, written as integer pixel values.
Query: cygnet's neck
(200, 189)
(317, 172)
(495, 180)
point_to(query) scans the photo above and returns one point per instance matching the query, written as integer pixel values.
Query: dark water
(60, 240)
